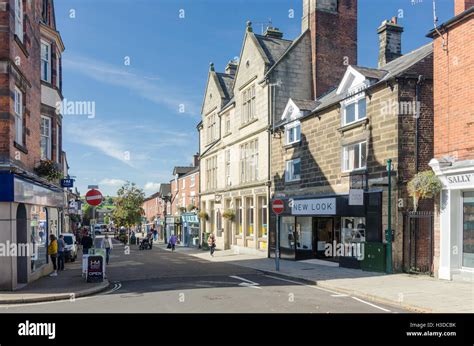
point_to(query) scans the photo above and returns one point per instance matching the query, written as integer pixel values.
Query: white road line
(339, 295)
(299, 283)
(375, 306)
(246, 283)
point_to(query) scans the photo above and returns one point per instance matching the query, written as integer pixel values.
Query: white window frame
(248, 104)
(57, 142)
(193, 180)
(48, 61)
(227, 167)
(357, 116)
(183, 183)
(58, 70)
(289, 170)
(345, 153)
(227, 123)
(19, 32)
(18, 105)
(48, 155)
(295, 128)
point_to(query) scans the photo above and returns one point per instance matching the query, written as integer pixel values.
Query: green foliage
(49, 170)
(128, 205)
(191, 207)
(424, 185)
(107, 219)
(228, 214)
(203, 215)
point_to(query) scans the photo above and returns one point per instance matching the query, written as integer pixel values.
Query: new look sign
(326, 206)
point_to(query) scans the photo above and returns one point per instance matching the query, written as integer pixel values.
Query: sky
(141, 68)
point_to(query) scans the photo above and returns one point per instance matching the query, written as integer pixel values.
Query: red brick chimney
(196, 160)
(462, 5)
(333, 29)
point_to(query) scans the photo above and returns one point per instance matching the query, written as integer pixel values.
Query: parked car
(70, 251)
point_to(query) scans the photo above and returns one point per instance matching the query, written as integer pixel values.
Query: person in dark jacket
(86, 243)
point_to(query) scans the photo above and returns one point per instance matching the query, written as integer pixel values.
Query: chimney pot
(273, 32)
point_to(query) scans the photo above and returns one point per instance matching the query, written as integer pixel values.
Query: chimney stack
(273, 32)
(462, 5)
(390, 41)
(196, 160)
(231, 67)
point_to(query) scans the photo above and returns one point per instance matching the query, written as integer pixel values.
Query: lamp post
(389, 221)
(166, 198)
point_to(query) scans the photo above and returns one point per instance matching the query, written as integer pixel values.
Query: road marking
(117, 286)
(246, 283)
(375, 306)
(302, 284)
(339, 295)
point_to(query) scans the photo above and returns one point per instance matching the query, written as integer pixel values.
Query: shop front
(173, 226)
(456, 220)
(29, 213)
(190, 223)
(329, 228)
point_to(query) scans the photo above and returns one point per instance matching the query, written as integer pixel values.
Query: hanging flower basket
(228, 214)
(49, 170)
(191, 207)
(424, 185)
(203, 215)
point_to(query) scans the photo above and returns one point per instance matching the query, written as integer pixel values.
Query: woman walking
(211, 241)
(53, 253)
(107, 245)
(173, 242)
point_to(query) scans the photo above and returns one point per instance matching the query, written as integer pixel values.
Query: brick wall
(26, 75)
(453, 92)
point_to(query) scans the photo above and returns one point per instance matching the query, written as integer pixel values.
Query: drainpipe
(270, 133)
(417, 119)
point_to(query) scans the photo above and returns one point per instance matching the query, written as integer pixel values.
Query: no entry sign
(94, 198)
(278, 206)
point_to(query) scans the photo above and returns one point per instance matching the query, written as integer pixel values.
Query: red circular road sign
(278, 206)
(94, 197)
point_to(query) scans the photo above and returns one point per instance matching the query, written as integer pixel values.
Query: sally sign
(326, 206)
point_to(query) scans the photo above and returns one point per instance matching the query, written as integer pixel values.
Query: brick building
(152, 207)
(182, 219)
(321, 149)
(453, 159)
(31, 207)
(242, 103)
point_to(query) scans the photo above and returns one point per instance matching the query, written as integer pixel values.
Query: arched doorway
(21, 238)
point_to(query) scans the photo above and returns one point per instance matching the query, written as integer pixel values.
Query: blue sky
(140, 63)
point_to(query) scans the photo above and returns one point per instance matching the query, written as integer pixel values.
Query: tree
(106, 219)
(128, 203)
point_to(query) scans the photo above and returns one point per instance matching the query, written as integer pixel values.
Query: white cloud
(152, 187)
(112, 182)
(145, 86)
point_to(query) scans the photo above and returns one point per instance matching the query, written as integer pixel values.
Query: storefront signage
(95, 269)
(356, 197)
(326, 206)
(30, 193)
(466, 179)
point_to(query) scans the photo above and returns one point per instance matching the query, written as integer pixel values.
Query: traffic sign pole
(277, 245)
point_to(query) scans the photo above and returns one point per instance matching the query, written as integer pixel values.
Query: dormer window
(354, 110)
(293, 133)
(19, 19)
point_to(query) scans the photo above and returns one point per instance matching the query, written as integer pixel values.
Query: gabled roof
(165, 189)
(371, 73)
(182, 170)
(305, 105)
(273, 47)
(226, 82)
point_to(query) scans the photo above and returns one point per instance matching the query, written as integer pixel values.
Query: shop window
(287, 232)
(263, 217)
(250, 217)
(304, 233)
(239, 214)
(468, 230)
(353, 231)
(39, 235)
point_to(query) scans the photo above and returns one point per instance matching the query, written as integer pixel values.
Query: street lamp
(166, 198)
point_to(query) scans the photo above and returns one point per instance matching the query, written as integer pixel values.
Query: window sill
(353, 125)
(354, 172)
(20, 147)
(21, 45)
(248, 123)
(292, 145)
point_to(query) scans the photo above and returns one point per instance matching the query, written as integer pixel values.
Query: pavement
(68, 285)
(418, 293)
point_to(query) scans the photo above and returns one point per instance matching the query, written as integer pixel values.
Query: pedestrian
(86, 243)
(173, 242)
(155, 234)
(211, 241)
(107, 245)
(61, 247)
(53, 253)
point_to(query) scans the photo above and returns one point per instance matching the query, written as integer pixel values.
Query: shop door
(323, 233)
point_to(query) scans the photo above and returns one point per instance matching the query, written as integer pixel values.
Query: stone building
(453, 159)
(241, 104)
(341, 141)
(31, 207)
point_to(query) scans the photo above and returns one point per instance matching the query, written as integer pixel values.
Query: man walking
(211, 241)
(107, 245)
(86, 243)
(61, 246)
